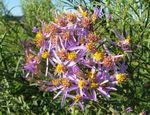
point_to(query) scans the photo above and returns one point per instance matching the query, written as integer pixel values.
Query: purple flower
(143, 113)
(35, 29)
(98, 12)
(30, 67)
(124, 41)
(78, 100)
(129, 109)
(77, 64)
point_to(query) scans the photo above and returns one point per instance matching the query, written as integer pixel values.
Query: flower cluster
(76, 63)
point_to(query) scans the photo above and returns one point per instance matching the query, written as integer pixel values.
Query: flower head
(75, 62)
(94, 85)
(60, 68)
(55, 82)
(65, 82)
(77, 97)
(45, 54)
(35, 30)
(129, 109)
(121, 77)
(81, 84)
(72, 56)
(98, 55)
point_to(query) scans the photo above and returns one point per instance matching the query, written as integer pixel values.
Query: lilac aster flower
(143, 113)
(78, 100)
(98, 12)
(124, 41)
(129, 109)
(77, 64)
(35, 29)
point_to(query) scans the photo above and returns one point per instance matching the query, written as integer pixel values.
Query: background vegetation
(18, 96)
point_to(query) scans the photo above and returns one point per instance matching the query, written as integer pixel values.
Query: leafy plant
(17, 96)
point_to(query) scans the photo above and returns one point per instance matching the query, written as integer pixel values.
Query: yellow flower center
(81, 84)
(91, 76)
(93, 18)
(55, 20)
(37, 59)
(65, 82)
(90, 46)
(39, 35)
(77, 98)
(60, 68)
(127, 40)
(55, 82)
(98, 56)
(121, 77)
(84, 13)
(29, 57)
(39, 39)
(71, 16)
(94, 85)
(45, 54)
(72, 56)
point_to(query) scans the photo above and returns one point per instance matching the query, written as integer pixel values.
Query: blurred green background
(19, 97)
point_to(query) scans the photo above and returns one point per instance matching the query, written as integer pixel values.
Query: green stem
(17, 66)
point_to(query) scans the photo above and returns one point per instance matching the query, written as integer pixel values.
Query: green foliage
(132, 17)
(36, 11)
(17, 96)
